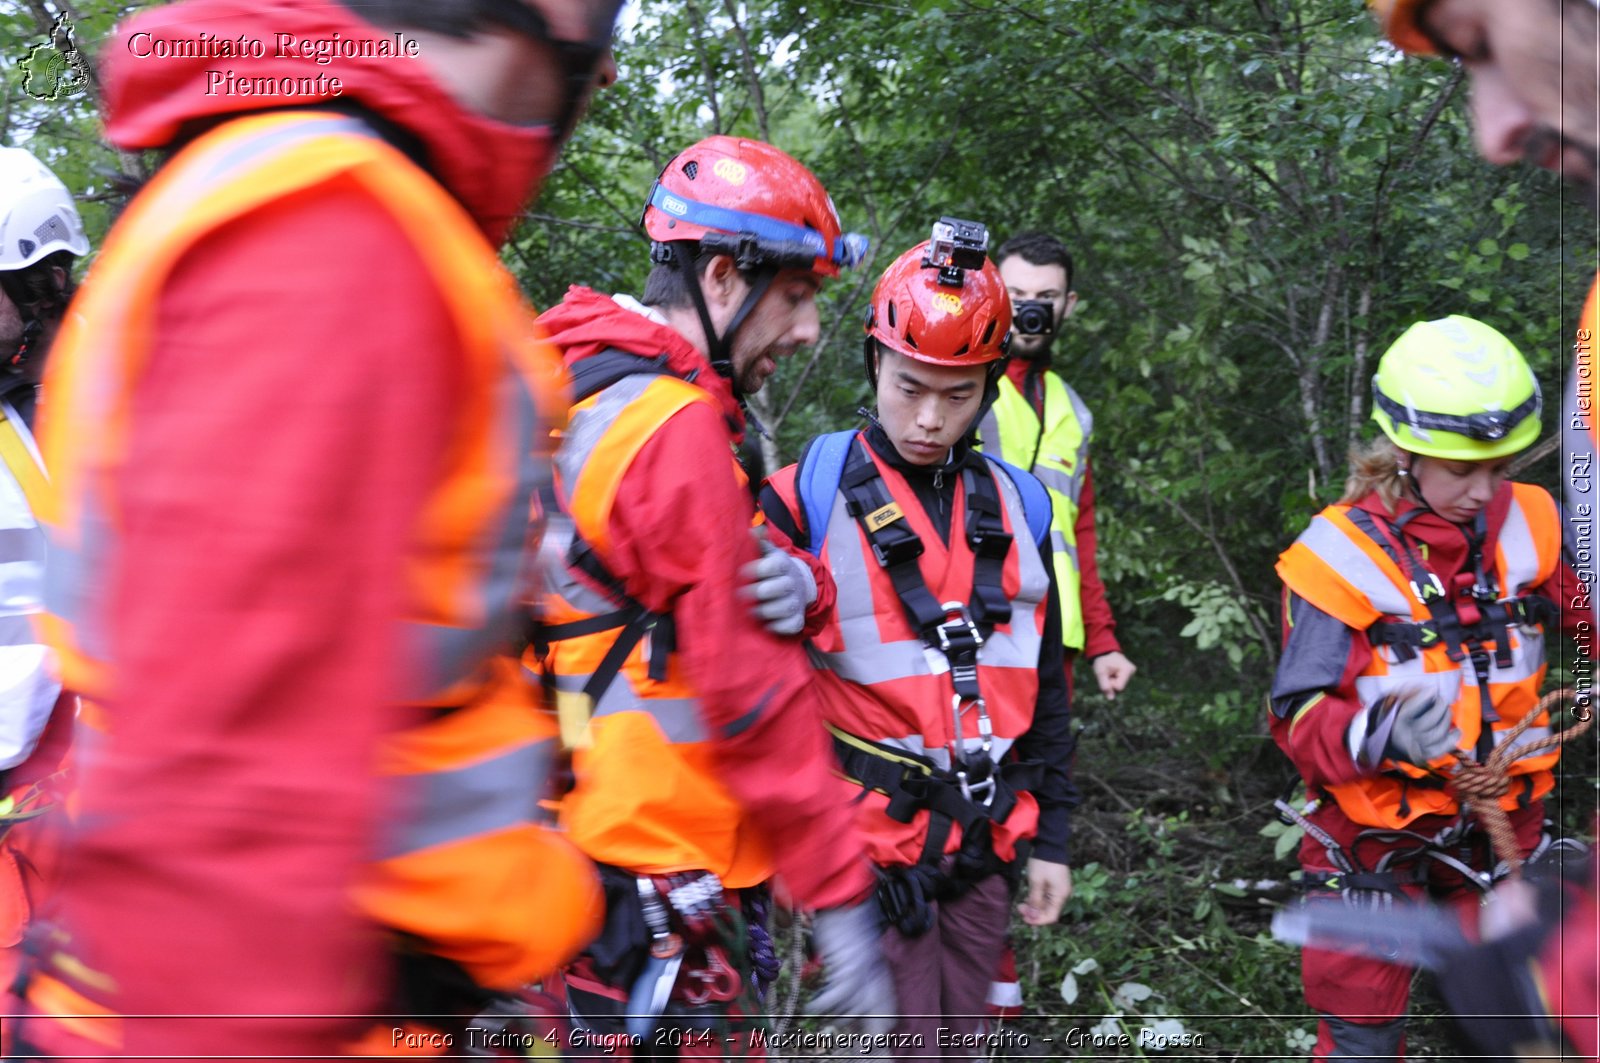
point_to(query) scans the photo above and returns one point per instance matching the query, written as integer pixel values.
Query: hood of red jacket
(153, 101)
(1447, 543)
(585, 323)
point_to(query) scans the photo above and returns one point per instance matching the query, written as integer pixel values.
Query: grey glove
(859, 991)
(781, 586)
(1414, 726)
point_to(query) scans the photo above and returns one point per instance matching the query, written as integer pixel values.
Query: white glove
(1414, 726)
(858, 991)
(781, 586)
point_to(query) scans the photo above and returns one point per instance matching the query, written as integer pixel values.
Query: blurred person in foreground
(1415, 615)
(699, 761)
(295, 432)
(1535, 74)
(940, 658)
(41, 236)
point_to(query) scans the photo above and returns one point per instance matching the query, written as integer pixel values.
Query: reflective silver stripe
(560, 582)
(1356, 567)
(940, 757)
(70, 586)
(1018, 644)
(17, 630)
(680, 719)
(590, 423)
(1518, 551)
(1526, 738)
(448, 806)
(220, 163)
(1410, 676)
(1058, 481)
(867, 660)
(1080, 465)
(447, 655)
(556, 579)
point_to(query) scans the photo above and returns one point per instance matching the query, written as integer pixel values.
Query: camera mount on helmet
(954, 247)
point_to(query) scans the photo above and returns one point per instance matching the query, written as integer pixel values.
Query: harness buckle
(1434, 588)
(897, 553)
(969, 789)
(958, 622)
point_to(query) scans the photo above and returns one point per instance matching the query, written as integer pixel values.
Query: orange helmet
(1399, 21)
(754, 202)
(940, 307)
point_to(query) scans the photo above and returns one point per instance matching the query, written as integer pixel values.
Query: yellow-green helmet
(1456, 389)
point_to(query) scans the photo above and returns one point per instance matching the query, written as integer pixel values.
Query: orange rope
(1482, 785)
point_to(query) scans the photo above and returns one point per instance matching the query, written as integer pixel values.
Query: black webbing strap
(630, 619)
(594, 374)
(897, 548)
(913, 783)
(1409, 636)
(893, 543)
(990, 543)
(1488, 618)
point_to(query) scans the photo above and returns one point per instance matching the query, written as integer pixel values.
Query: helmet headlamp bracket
(1489, 426)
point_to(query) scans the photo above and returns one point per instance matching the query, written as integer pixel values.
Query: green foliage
(1260, 197)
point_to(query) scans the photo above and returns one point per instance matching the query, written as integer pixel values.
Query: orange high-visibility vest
(880, 682)
(1338, 568)
(646, 793)
(467, 865)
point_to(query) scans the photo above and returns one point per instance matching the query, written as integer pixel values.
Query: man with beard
(700, 766)
(296, 424)
(1039, 423)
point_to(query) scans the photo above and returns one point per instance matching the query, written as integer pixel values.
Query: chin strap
(719, 348)
(32, 328)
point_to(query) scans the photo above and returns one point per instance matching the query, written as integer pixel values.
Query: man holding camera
(1038, 422)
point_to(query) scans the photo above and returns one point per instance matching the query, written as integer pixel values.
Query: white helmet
(37, 215)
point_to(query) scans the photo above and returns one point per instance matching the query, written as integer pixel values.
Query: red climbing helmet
(943, 301)
(748, 199)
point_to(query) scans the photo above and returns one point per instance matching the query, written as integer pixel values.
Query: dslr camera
(1033, 317)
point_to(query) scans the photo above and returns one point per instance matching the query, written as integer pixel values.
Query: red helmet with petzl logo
(943, 301)
(750, 200)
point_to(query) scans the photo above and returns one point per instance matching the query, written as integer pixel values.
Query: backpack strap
(817, 481)
(592, 375)
(1035, 499)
